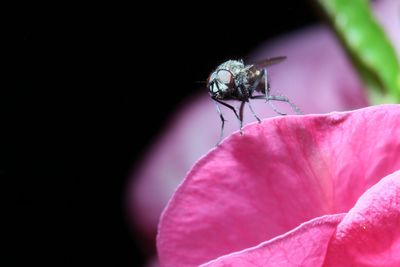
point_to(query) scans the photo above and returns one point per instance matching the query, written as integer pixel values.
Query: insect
(233, 80)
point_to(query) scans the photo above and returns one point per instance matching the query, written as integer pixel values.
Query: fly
(233, 80)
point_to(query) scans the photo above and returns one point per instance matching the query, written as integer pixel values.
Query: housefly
(233, 80)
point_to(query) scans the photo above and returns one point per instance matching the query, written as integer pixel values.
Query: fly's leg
(284, 99)
(252, 111)
(270, 98)
(266, 96)
(270, 103)
(255, 85)
(240, 118)
(222, 122)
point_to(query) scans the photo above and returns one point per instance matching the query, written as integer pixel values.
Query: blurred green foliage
(368, 45)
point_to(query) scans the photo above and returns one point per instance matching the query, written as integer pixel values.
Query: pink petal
(281, 173)
(304, 246)
(369, 235)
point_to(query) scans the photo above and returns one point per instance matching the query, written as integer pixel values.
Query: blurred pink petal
(317, 75)
(387, 13)
(369, 235)
(304, 246)
(281, 173)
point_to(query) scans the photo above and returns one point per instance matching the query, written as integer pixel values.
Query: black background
(89, 90)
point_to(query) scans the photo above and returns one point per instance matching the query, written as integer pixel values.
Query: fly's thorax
(233, 66)
(252, 73)
(253, 76)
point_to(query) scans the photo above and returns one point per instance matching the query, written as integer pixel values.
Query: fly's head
(221, 83)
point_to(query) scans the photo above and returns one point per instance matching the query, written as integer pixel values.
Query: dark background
(89, 90)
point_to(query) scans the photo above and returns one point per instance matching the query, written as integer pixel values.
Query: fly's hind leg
(270, 98)
(267, 99)
(284, 99)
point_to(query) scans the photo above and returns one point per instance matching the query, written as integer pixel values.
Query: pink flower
(317, 77)
(315, 190)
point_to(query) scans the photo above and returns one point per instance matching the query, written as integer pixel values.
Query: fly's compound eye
(211, 78)
(225, 76)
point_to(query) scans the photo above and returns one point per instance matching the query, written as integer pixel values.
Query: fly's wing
(268, 62)
(262, 86)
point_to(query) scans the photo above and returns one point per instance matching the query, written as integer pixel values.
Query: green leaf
(369, 47)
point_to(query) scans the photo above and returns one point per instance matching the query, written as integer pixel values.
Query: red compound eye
(225, 76)
(211, 78)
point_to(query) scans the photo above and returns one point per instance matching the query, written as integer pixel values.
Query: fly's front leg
(240, 118)
(222, 122)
